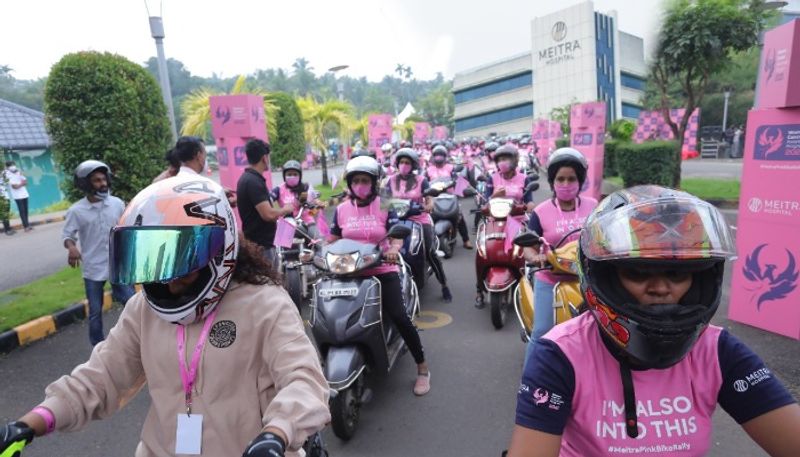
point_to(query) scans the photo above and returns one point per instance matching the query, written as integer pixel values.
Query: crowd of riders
(231, 371)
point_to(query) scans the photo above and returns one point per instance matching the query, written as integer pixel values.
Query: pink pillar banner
(545, 133)
(235, 119)
(764, 290)
(379, 131)
(588, 129)
(422, 131)
(780, 64)
(440, 132)
(652, 126)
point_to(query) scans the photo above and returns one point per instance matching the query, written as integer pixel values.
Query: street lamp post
(725, 109)
(157, 32)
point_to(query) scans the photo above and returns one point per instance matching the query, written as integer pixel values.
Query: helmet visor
(145, 254)
(662, 228)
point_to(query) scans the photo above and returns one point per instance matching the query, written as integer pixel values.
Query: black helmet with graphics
(653, 229)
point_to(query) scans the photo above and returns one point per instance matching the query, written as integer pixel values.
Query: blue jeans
(542, 313)
(94, 294)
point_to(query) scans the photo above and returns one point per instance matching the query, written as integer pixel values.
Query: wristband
(48, 417)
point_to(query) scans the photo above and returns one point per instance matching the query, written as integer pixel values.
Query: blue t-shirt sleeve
(391, 218)
(276, 192)
(749, 389)
(544, 399)
(425, 185)
(335, 229)
(528, 196)
(534, 224)
(489, 189)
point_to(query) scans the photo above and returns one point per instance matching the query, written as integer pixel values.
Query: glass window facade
(495, 87)
(631, 111)
(631, 81)
(606, 67)
(495, 117)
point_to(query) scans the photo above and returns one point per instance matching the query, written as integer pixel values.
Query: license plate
(343, 292)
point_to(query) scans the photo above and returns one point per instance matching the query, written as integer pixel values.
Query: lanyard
(188, 376)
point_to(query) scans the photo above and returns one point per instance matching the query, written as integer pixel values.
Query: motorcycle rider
(644, 362)
(361, 218)
(406, 184)
(507, 182)
(552, 219)
(295, 192)
(387, 150)
(202, 287)
(439, 168)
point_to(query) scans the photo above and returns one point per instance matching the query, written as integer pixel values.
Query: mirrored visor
(159, 254)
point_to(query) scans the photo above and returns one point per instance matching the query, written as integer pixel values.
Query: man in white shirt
(5, 205)
(17, 186)
(90, 220)
(191, 152)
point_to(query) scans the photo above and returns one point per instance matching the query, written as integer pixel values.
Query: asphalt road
(27, 256)
(712, 168)
(469, 411)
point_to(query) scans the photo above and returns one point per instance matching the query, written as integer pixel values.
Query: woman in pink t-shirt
(642, 371)
(553, 219)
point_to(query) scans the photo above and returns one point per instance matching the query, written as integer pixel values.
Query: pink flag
(284, 234)
(513, 226)
(461, 185)
(334, 182)
(322, 225)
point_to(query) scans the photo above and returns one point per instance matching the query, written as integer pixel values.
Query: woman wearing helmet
(564, 212)
(246, 369)
(406, 184)
(643, 371)
(361, 219)
(295, 192)
(439, 168)
(507, 181)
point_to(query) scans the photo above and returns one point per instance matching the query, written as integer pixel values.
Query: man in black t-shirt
(256, 209)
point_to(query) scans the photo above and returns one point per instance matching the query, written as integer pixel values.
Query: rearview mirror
(527, 239)
(532, 187)
(533, 175)
(430, 192)
(399, 231)
(470, 192)
(458, 168)
(481, 178)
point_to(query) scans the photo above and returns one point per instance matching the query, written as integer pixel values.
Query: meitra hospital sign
(563, 49)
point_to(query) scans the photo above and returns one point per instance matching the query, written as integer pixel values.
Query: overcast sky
(237, 36)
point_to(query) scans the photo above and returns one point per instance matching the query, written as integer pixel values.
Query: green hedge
(651, 162)
(103, 106)
(609, 158)
(562, 143)
(289, 141)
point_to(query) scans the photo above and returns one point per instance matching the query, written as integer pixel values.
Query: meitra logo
(559, 31)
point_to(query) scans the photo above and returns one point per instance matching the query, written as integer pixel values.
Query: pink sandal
(423, 384)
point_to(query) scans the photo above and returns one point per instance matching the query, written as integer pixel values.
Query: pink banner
(461, 185)
(440, 132)
(379, 131)
(652, 126)
(780, 64)
(545, 133)
(422, 131)
(588, 127)
(322, 225)
(284, 233)
(764, 291)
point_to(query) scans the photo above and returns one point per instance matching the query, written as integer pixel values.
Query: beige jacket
(258, 369)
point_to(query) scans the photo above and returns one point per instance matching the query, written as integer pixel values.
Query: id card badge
(189, 437)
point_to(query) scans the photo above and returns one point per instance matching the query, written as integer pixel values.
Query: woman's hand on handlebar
(532, 256)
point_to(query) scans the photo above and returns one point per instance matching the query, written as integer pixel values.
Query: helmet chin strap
(629, 395)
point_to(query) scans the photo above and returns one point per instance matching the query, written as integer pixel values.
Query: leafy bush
(103, 106)
(622, 129)
(609, 158)
(562, 143)
(288, 142)
(651, 162)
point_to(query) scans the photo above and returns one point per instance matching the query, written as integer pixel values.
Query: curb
(42, 327)
(49, 220)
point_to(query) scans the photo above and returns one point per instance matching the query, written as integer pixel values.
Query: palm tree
(196, 108)
(321, 116)
(305, 78)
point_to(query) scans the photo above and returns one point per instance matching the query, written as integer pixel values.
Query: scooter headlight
(342, 263)
(500, 208)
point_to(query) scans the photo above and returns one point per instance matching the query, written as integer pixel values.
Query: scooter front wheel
(446, 246)
(294, 285)
(498, 308)
(345, 411)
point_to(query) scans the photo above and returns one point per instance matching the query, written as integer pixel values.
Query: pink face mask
(404, 168)
(504, 166)
(567, 192)
(361, 191)
(292, 181)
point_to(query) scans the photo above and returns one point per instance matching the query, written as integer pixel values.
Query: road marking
(432, 319)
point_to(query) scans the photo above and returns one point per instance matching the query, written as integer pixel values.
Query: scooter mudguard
(342, 365)
(498, 279)
(526, 304)
(442, 226)
(566, 298)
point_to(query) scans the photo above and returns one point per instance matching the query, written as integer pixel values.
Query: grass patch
(41, 297)
(712, 189)
(705, 188)
(326, 192)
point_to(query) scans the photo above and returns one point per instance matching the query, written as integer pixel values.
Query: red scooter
(500, 268)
